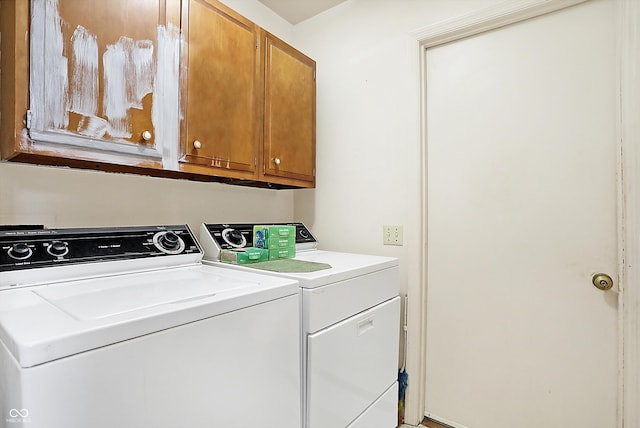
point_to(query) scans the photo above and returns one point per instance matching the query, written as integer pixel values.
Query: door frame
(628, 193)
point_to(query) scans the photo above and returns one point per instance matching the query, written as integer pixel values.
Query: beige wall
(63, 197)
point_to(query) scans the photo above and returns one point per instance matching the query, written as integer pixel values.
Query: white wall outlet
(392, 235)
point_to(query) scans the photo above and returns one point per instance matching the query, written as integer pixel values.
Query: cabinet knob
(146, 135)
(276, 161)
(197, 144)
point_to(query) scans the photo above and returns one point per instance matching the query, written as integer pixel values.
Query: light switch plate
(392, 235)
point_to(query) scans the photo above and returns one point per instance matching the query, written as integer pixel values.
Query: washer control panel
(25, 249)
(240, 235)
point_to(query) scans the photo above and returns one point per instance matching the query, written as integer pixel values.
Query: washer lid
(47, 322)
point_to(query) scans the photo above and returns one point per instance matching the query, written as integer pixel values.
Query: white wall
(61, 197)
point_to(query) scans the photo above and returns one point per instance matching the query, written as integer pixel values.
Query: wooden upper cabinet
(175, 88)
(289, 115)
(99, 75)
(221, 130)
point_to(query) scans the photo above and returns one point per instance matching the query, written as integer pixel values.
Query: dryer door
(350, 364)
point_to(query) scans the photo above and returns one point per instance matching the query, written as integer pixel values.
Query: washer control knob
(58, 248)
(168, 242)
(20, 251)
(303, 233)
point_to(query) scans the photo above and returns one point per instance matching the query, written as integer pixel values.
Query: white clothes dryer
(350, 327)
(124, 327)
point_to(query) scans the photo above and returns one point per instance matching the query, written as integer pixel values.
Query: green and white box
(244, 255)
(274, 237)
(282, 253)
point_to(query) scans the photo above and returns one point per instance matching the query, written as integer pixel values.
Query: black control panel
(26, 249)
(240, 235)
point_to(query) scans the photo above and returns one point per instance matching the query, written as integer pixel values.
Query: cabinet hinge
(29, 114)
(257, 42)
(314, 75)
(255, 161)
(314, 172)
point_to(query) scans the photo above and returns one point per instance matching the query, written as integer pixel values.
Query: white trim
(487, 19)
(416, 304)
(498, 16)
(444, 421)
(620, 204)
(629, 132)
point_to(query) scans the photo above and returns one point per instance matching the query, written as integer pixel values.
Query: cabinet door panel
(222, 90)
(93, 73)
(290, 95)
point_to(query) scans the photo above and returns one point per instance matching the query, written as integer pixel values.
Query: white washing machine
(124, 327)
(350, 327)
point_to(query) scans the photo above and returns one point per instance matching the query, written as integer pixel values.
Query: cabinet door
(290, 112)
(94, 74)
(221, 98)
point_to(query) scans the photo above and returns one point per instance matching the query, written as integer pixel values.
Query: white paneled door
(521, 196)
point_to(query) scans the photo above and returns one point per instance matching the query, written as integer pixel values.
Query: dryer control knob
(235, 237)
(20, 251)
(58, 248)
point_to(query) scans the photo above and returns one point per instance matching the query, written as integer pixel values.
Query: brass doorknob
(602, 281)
